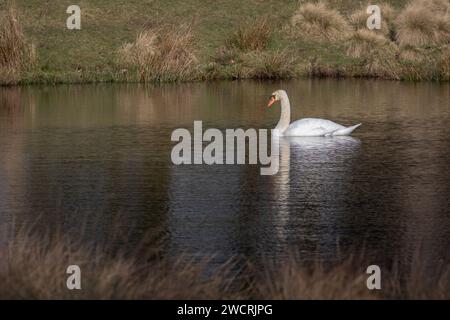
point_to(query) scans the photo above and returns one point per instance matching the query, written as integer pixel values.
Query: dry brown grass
(16, 54)
(318, 68)
(443, 28)
(246, 55)
(423, 33)
(253, 64)
(269, 65)
(226, 55)
(444, 65)
(316, 21)
(34, 267)
(161, 55)
(251, 36)
(437, 6)
(424, 23)
(420, 63)
(347, 280)
(358, 19)
(364, 42)
(296, 280)
(413, 54)
(377, 52)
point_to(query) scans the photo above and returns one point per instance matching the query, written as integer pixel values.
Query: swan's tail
(346, 131)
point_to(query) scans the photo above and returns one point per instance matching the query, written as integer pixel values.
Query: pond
(97, 157)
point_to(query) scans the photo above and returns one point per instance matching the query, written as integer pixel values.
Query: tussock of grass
(424, 63)
(378, 54)
(319, 69)
(252, 36)
(436, 6)
(226, 55)
(444, 65)
(443, 28)
(424, 23)
(16, 54)
(246, 55)
(316, 21)
(364, 42)
(161, 55)
(253, 65)
(415, 27)
(358, 20)
(270, 65)
(412, 54)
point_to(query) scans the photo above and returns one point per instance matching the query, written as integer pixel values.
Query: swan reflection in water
(233, 209)
(310, 188)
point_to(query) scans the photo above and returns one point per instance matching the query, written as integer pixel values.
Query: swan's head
(276, 96)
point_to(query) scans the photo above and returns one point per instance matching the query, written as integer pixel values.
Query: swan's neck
(285, 117)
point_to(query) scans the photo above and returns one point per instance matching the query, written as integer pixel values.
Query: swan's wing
(320, 131)
(307, 132)
(310, 127)
(346, 131)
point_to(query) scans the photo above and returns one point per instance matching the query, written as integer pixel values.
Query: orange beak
(271, 101)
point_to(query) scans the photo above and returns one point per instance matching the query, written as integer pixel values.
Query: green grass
(90, 54)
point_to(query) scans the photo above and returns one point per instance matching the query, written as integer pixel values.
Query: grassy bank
(34, 267)
(165, 41)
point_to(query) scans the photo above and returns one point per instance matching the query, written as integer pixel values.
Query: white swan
(307, 127)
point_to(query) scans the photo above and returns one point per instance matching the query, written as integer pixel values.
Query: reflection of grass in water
(33, 267)
(10, 100)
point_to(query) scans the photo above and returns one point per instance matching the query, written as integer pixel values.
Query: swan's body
(307, 127)
(312, 127)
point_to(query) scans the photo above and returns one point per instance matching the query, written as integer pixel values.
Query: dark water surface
(85, 155)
